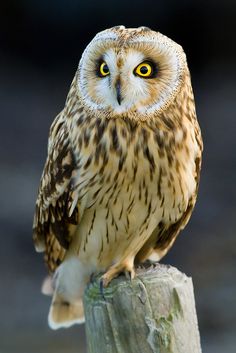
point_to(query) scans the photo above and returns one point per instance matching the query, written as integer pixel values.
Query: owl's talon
(105, 281)
(92, 277)
(101, 288)
(130, 274)
(127, 268)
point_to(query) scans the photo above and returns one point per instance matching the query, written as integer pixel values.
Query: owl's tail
(64, 313)
(67, 306)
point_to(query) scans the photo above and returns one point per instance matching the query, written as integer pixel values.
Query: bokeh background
(40, 46)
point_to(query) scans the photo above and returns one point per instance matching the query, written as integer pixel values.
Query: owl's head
(128, 71)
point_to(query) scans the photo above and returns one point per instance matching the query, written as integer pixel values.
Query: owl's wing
(56, 213)
(164, 235)
(167, 235)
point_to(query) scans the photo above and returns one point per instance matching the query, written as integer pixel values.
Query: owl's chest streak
(119, 163)
(118, 212)
(126, 186)
(121, 209)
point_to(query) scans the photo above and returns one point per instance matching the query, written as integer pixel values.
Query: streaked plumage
(122, 172)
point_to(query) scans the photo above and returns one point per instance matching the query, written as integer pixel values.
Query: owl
(122, 171)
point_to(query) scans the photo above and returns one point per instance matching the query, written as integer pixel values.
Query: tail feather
(64, 313)
(68, 285)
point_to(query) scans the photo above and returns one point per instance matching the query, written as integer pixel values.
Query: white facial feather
(133, 88)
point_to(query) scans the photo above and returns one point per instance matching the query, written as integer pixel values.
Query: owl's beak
(118, 91)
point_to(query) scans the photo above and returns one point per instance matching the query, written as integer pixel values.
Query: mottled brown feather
(53, 226)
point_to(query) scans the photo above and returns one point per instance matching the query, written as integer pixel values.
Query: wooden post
(153, 313)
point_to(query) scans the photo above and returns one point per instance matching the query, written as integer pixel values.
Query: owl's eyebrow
(99, 61)
(150, 61)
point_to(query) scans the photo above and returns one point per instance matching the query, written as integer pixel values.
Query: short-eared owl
(122, 172)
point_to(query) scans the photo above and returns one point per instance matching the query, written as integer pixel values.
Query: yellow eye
(104, 69)
(144, 69)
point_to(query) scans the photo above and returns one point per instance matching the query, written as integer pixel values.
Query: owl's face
(130, 70)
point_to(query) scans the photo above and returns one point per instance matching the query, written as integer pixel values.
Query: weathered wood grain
(154, 313)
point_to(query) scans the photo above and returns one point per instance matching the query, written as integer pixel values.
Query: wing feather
(53, 220)
(163, 236)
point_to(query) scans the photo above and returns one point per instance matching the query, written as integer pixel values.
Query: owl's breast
(128, 182)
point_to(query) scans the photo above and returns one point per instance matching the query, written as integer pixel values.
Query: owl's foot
(93, 277)
(125, 267)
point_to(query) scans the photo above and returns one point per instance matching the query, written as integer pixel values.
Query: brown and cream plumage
(122, 172)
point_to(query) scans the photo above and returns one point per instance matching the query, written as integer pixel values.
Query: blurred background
(40, 46)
